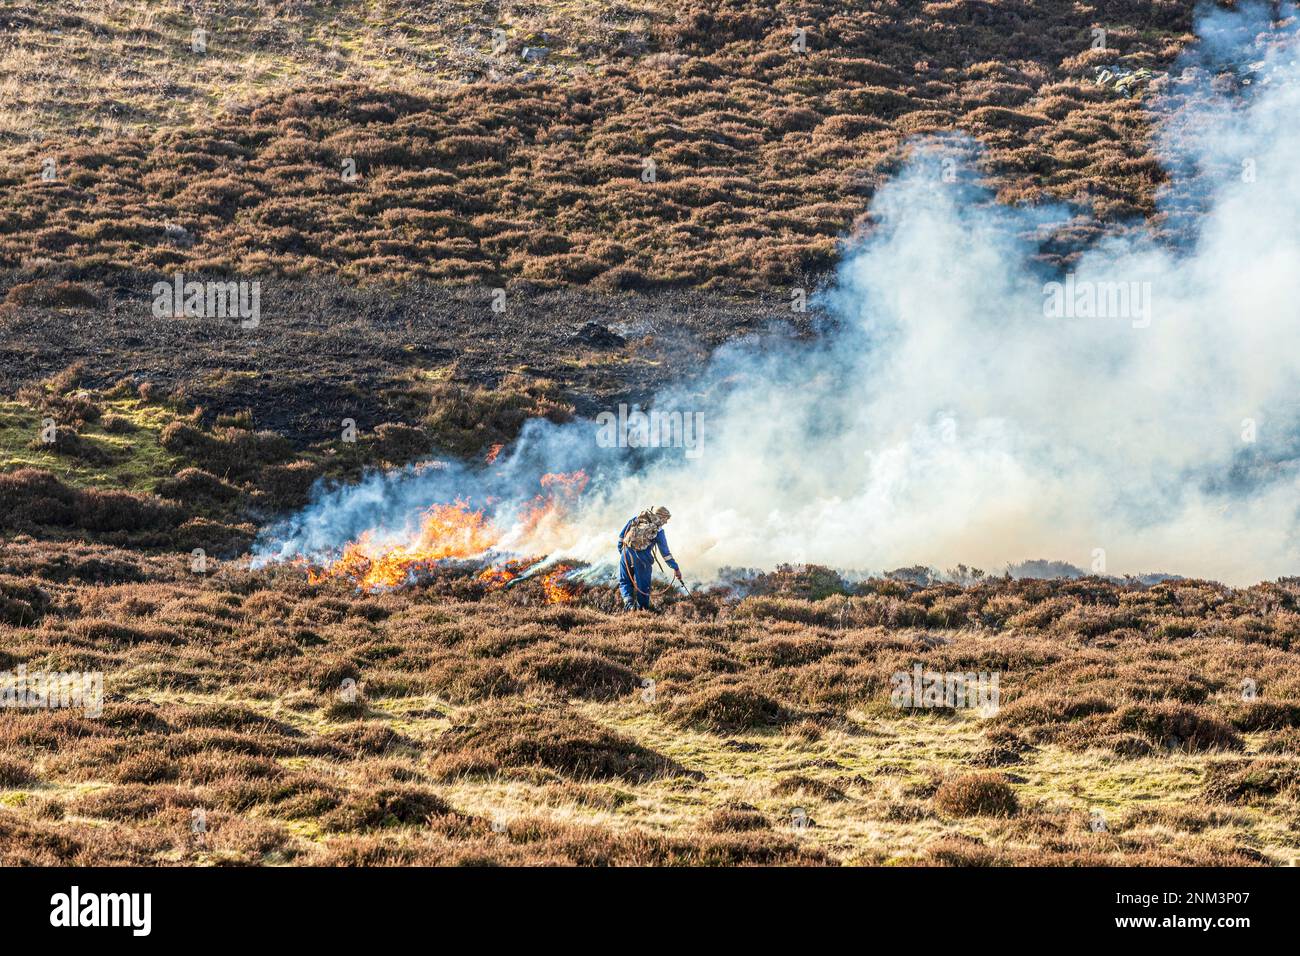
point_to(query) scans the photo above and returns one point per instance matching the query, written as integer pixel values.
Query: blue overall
(634, 568)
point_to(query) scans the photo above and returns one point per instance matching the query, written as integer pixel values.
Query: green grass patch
(135, 461)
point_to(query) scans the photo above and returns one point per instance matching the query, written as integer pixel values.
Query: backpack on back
(642, 531)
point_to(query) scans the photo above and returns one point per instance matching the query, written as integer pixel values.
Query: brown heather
(493, 729)
(764, 158)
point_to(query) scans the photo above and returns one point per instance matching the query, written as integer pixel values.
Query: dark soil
(324, 352)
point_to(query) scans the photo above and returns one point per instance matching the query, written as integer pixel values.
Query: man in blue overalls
(636, 547)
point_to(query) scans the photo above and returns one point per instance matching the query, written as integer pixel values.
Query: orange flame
(566, 486)
(562, 489)
(555, 589)
(496, 577)
(499, 575)
(455, 531)
(446, 531)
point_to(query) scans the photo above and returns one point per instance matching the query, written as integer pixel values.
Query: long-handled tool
(685, 589)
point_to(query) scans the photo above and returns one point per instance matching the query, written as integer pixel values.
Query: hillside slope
(626, 146)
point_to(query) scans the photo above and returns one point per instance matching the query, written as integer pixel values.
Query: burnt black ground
(325, 350)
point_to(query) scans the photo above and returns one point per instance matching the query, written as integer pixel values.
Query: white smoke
(946, 419)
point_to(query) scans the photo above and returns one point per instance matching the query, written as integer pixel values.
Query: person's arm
(662, 542)
(621, 534)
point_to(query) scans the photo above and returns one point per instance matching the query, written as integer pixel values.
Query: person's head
(663, 514)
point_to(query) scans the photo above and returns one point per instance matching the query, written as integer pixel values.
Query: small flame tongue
(555, 589)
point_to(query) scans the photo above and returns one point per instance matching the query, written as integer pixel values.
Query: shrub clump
(553, 737)
(977, 794)
(581, 674)
(230, 453)
(1177, 726)
(21, 602)
(386, 807)
(728, 709)
(1254, 781)
(735, 818)
(52, 295)
(15, 773)
(35, 498)
(800, 785)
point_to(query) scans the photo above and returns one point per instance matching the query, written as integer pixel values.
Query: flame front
(445, 531)
(457, 531)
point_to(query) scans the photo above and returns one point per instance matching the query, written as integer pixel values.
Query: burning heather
(558, 590)
(445, 531)
(456, 531)
(500, 575)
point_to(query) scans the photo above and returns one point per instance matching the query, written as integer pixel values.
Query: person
(636, 547)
